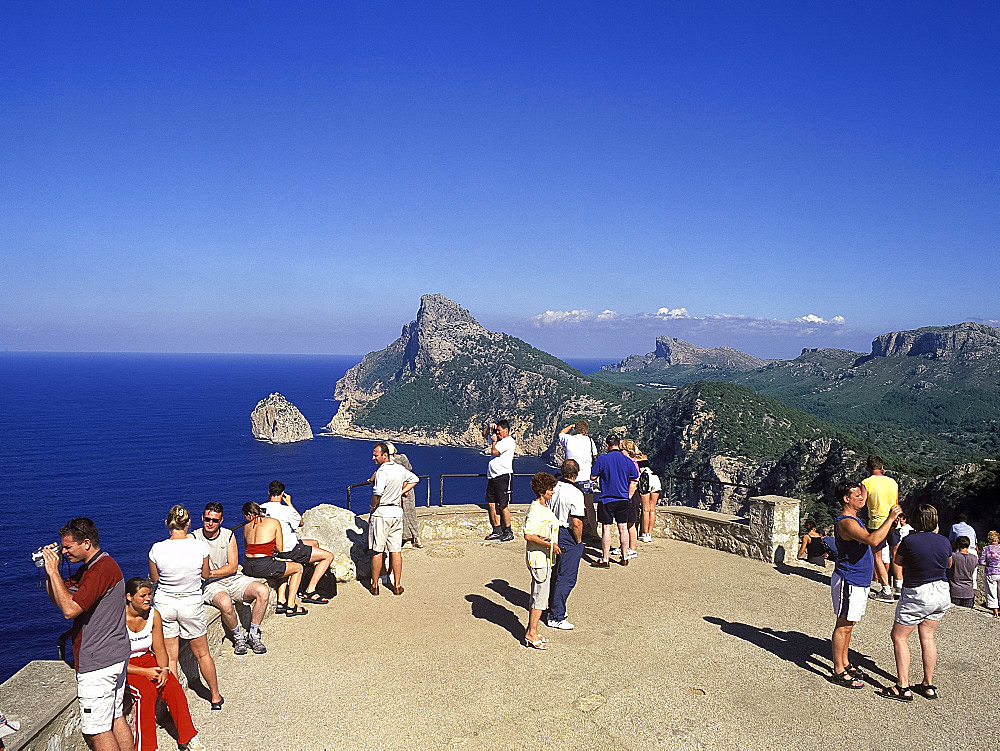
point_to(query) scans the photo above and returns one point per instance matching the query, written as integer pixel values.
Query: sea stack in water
(277, 420)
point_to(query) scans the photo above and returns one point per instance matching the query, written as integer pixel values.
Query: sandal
(846, 680)
(895, 692)
(297, 610)
(314, 598)
(539, 644)
(855, 671)
(926, 690)
(280, 609)
(397, 590)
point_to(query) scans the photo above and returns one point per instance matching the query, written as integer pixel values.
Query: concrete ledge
(41, 696)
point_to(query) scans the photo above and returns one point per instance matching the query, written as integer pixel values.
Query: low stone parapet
(41, 696)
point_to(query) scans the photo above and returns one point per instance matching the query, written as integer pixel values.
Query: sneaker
(492, 536)
(880, 596)
(632, 553)
(240, 647)
(563, 624)
(615, 552)
(646, 537)
(195, 744)
(897, 593)
(257, 645)
(507, 536)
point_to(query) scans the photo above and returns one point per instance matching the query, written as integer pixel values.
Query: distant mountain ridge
(669, 352)
(446, 376)
(931, 395)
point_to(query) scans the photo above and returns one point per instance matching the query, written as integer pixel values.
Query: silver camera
(38, 558)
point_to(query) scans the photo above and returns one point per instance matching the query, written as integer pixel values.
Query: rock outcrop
(277, 420)
(966, 340)
(671, 352)
(446, 376)
(344, 534)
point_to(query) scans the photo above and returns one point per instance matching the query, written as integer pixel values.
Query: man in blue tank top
(852, 576)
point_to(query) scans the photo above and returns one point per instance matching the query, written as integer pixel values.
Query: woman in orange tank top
(262, 536)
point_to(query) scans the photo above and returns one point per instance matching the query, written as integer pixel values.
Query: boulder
(344, 534)
(277, 420)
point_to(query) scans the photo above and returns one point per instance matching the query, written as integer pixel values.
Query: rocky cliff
(446, 376)
(277, 420)
(970, 341)
(670, 352)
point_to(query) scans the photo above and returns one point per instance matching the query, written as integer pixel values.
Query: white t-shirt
(289, 519)
(581, 449)
(502, 464)
(389, 481)
(179, 564)
(567, 501)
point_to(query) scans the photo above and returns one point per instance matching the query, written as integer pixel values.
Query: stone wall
(769, 534)
(41, 696)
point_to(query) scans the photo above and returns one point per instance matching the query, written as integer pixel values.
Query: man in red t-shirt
(94, 597)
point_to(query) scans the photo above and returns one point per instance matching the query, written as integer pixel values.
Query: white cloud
(562, 316)
(810, 319)
(607, 315)
(673, 313)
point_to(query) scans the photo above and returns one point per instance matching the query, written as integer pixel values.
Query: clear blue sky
(291, 177)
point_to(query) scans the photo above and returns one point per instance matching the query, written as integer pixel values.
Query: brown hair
(178, 517)
(927, 518)
(542, 482)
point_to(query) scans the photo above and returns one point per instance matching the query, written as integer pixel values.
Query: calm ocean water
(122, 437)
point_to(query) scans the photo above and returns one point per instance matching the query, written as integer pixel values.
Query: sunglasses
(208, 520)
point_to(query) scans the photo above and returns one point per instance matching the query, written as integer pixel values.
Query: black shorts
(498, 490)
(263, 568)
(301, 553)
(613, 511)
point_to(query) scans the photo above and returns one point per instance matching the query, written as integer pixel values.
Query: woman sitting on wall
(148, 675)
(262, 536)
(812, 549)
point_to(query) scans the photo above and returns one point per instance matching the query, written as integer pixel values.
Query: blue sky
(249, 177)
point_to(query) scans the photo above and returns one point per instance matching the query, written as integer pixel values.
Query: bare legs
(119, 738)
(288, 588)
(606, 540)
(534, 616)
(841, 643)
(501, 519)
(395, 562)
(649, 512)
(199, 648)
(322, 559)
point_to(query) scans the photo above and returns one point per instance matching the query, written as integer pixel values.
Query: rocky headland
(447, 376)
(277, 420)
(669, 352)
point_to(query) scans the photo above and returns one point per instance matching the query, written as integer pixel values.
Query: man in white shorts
(852, 575)
(227, 585)
(385, 518)
(94, 598)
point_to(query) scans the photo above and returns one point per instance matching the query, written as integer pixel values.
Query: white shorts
(182, 615)
(385, 530)
(100, 694)
(885, 555)
(849, 601)
(928, 602)
(235, 586)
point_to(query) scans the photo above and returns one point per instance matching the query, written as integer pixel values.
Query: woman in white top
(177, 565)
(148, 676)
(540, 530)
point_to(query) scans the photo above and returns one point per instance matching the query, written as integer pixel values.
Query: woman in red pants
(148, 675)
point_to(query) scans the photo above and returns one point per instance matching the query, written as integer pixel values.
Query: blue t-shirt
(925, 558)
(615, 470)
(854, 558)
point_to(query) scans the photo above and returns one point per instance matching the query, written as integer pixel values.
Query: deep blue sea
(122, 437)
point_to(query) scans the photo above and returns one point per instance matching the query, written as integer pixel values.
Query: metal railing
(368, 484)
(667, 491)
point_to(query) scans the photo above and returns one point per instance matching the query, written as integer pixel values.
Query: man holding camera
(500, 476)
(94, 597)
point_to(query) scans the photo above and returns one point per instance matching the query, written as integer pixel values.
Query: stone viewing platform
(687, 647)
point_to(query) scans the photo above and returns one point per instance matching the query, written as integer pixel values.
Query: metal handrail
(368, 483)
(473, 474)
(527, 474)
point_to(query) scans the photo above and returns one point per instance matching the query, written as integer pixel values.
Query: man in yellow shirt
(883, 494)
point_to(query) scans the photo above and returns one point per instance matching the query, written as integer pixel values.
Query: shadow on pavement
(794, 646)
(816, 574)
(516, 597)
(487, 610)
